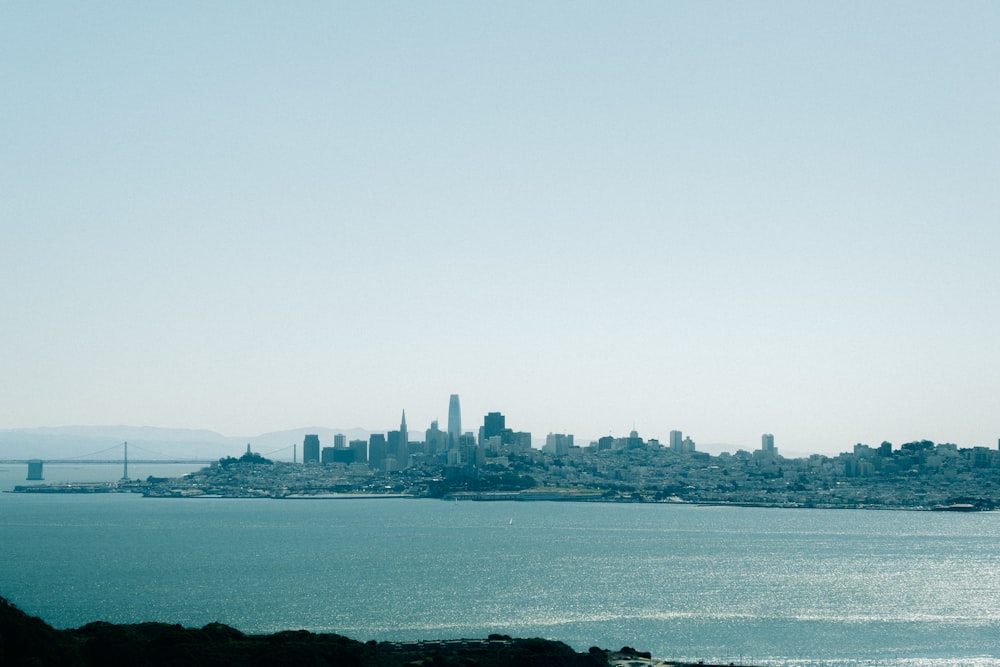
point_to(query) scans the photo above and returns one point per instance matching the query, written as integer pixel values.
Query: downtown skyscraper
(403, 447)
(454, 422)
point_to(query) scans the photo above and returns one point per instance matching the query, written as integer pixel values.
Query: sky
(724, 218)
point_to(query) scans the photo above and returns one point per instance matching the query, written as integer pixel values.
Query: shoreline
(26, 639)
(522, 496)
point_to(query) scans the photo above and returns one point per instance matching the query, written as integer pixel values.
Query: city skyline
(492, 422)
(712, 217)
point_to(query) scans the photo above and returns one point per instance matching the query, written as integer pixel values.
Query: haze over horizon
(721, 218)
(178, 440)
(73, 441)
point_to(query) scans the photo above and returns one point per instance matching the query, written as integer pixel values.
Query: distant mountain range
(148, 442)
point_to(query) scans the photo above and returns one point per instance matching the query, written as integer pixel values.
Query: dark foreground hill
(27, 640)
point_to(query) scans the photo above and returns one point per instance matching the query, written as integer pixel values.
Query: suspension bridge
(104, 457)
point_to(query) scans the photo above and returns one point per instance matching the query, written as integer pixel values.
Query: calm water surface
(782, 587)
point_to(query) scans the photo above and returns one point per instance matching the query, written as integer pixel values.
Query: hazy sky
(726, 218)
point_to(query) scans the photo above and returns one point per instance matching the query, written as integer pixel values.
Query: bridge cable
(74, 458)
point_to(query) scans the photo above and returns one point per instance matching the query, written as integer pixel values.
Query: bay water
(723, 584)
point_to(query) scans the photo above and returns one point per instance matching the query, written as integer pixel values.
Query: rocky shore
(28, 640)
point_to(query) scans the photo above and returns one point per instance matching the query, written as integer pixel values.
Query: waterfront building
(310, 449)
(35, 470)
(454, 422)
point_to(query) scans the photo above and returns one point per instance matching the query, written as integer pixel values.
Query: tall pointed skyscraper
(403, 454)
(454, 422)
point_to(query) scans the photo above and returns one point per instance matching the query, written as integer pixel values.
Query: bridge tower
(35, 469)
(125, 472)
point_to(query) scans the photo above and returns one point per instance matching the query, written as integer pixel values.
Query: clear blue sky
(726, 218)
